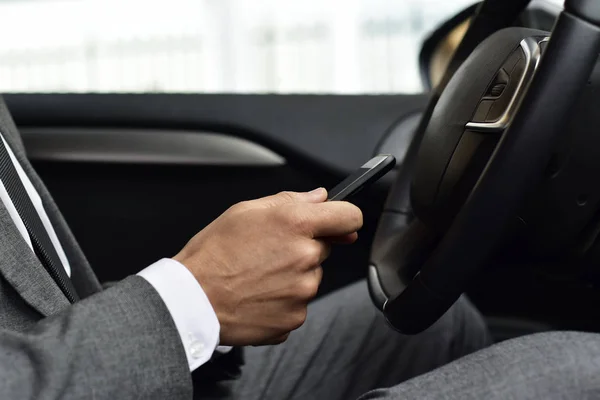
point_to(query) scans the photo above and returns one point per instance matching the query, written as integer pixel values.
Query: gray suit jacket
(119, 343)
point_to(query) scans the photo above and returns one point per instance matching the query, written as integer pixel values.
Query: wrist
(189, 306)
(211, 292)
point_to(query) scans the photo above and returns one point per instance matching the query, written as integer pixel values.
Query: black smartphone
(366, 175)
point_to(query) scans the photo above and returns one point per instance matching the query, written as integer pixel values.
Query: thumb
(318, 195)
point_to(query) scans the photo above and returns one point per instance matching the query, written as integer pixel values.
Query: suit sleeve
(108, 285)
(118, 344)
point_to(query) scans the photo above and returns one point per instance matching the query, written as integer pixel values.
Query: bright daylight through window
(216, 46)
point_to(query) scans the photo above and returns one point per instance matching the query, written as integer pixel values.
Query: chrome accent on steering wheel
(532, 50)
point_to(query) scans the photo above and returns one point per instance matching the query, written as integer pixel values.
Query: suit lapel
(82, 276)
(23, 271)
(18, 263)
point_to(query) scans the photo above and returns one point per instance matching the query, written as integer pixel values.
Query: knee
(560, 349)
(562, 364)
(550, 365)
(463, 327)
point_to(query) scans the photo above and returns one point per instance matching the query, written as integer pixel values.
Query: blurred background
(216, 46)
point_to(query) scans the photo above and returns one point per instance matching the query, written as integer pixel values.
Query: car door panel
(137, 175)
(335, 131)
(145, 146)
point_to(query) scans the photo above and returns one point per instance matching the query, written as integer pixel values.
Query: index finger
(333, 218)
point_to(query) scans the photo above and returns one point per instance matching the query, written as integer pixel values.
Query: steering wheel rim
(417, 273)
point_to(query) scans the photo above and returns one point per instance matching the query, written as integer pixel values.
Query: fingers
(344, 239)
(310, 287)
(318, 275)
(314, 279)
(330, 219)
(318, 195)
(324, 250)
(276, 340)
(311, 253)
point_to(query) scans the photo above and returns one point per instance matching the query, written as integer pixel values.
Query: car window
(216, 46)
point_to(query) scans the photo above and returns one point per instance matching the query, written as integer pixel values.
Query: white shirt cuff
(190, 309)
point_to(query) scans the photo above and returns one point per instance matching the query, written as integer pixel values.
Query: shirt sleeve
(189, 307)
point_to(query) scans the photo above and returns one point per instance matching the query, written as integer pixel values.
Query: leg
(548, 366)
(346, 348)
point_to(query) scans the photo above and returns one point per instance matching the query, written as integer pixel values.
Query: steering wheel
(484, 141)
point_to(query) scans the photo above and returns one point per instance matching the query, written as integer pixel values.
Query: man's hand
(259, 263)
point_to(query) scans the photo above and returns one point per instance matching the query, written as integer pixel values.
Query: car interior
(494, 193)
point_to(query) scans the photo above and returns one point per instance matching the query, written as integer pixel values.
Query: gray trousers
(544, 366)
(346, 349)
